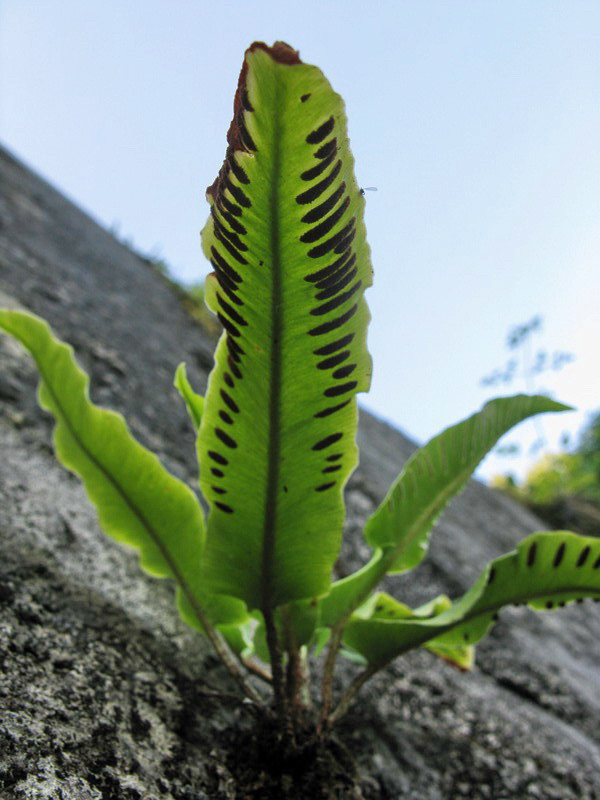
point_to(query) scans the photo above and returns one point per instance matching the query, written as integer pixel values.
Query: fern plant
(276, 431)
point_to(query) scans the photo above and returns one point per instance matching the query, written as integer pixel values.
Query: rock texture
(105, 694)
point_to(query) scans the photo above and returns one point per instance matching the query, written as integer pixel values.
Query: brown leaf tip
(238, 137)
(281, 52)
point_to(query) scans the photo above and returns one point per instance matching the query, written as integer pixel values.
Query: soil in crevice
(265, 767)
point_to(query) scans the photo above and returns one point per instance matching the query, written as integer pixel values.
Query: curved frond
(139, 503)
(546, 571)
(437, 472)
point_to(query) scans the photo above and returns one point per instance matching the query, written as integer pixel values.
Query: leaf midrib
(274, 412)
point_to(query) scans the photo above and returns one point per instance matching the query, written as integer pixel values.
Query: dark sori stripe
(346, 263)
(310, 195)
(238, 195)
(343, 372)
(234, 367)
(217, 260)
(331, 410)
(327, 149)
(228, 379)
(597, 563)
(229, 402)
(225, 438)
(531, 553)
(332, 469)
(333, 347)
(233, 223)
(324, 486)
(329, 245)
(333, 361)
(327, 327)
(229, 287)
(345, 275)
(335, 391)
(328, 272)
(233, 359)
(247, 105)
(218, 473)
(247, 140)
(336, 302)
(225, 417)
(318, 169)
(227, 324)
(559, 555)
(231, 295)
(230, 235)
(224, 507)
(334, 457)
(239, 172)
(228, 246)
(218, 490)
(320, 133)
(231, 207)
(237, 318)
(327, 441)
(304, 98)
(323, 228)
(316, 213)
(233, 355)
(583, 557)
(491, 576)
(345, 243)
(234, 349)
(218, 458)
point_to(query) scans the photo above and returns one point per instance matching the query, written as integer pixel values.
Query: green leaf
(239, 636)
(194, 402)
(546, 571)
(346, 594)
(461, 656)
(383, 606)
(286, 240)
(139, 503)
(439, 471)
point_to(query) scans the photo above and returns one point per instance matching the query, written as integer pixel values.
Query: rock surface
(103, 691)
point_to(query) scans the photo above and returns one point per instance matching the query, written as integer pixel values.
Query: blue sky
(478, 122)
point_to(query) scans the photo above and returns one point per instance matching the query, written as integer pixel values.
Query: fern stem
(328, 672)
(351, 692)
(294, 675)
(222, 650)
(256, 669)
(276, 664)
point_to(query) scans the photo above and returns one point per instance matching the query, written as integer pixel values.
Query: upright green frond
(286, 240)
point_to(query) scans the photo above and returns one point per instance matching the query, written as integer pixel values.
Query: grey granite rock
(103, 691)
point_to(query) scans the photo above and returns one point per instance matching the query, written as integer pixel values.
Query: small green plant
(525, 366)
(276, 432)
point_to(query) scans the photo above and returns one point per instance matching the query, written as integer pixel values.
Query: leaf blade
(194, 402)
(121, 477)
(280, 413)
(546, 571)
(437, 472)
